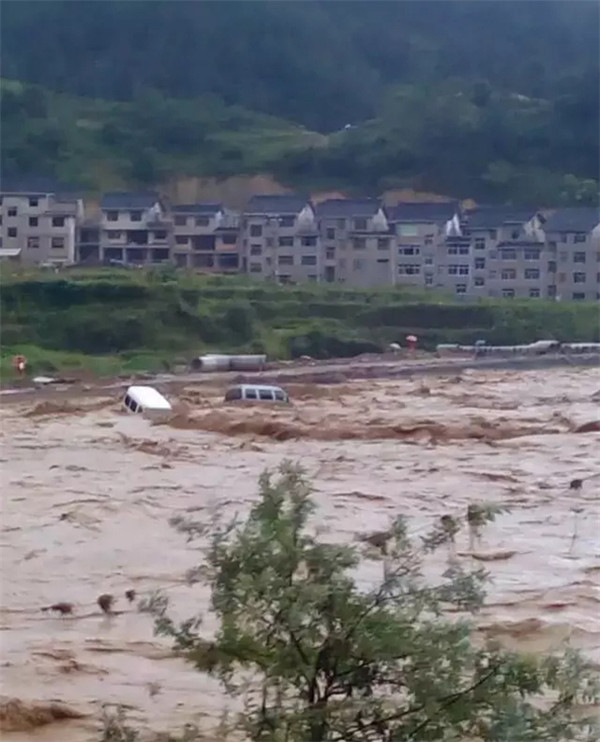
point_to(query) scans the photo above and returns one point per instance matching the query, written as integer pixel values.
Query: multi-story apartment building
(280, 239)
(356, 245)
(507, 252)
(206, 238)
(135, 229)
(573, 253)
(37, 225)
(428, 244)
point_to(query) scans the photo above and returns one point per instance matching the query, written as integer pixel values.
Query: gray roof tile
(429, 212)
(129, 200)
(347, 208)
(576, 219)
(279, 204)
(492, 217)
(203, 208)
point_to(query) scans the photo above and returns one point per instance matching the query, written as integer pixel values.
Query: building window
(58, 243)
(428, 260)
(112, 216)
(579, 257)
(479, 281)
(383, 243)
(255, 268)
(309, 260)
(508, 275)
(330, 253)
(360, 224)
(58, 221)
(409, 270)
(428, 280)
(180, 221)
(287, 221)
(578, 295)
(256, 230)
(463, 250)
(113, 234)
(461, 288)
(532, 274)
(480, 243)
(429, 239)
(33, 242)
(578, 277)
(552, 246)
(408, 230)
(136, 216)
(534, 293)
(181, 239)
(458, 270)
(409, 250)
(12, 211)
(160, 235)
(286, 242)
(229, 239)
(508, 293)
(160, 254)
(33, 201)
(552, 266)
(359, 243)
(255, 249)
(357, 264)
(493, 234)
(12, 232)
(508, 254)
(330, 234)
(531, 255)
(453, 251)
(514, 235)
(202, 221)
(479, 264)
(309, 241)
(579, 237)
(285, 260)
(33, 221)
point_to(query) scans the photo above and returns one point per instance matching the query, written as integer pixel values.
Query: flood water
(88, 491)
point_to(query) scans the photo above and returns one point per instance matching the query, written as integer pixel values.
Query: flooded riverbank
(88, 491)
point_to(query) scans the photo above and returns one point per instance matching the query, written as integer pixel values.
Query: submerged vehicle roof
(148, 397)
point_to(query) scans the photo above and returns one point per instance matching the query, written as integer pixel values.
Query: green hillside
(488, 99)
(112, 320)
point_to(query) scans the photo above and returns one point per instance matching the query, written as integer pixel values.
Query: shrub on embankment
(170, 315)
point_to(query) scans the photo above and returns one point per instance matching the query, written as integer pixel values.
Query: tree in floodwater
(318, 659)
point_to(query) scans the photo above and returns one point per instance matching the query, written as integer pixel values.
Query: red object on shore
(411, 341)
(20, 364)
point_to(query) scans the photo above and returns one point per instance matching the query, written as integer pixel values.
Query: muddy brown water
(88, 491)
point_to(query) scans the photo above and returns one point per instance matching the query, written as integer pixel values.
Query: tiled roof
(577, 219)
(347, 207)
(492, 217)
(204, 208)
(280, 204)
(31, 185)
(129, 200)
(429, 212)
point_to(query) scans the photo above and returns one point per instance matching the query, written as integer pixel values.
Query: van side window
(133, 406)
(279, 396)
(235, 393)
(250, 394)
(265, 394)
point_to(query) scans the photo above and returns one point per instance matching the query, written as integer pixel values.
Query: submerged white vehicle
(146, 401)
(256, 393)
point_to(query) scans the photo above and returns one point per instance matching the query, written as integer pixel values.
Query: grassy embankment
(108, 321)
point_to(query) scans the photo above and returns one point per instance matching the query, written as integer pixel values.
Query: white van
(256, 393)
(147, 401)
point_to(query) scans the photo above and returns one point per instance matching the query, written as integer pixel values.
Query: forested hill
(321, 63)
(492, 99)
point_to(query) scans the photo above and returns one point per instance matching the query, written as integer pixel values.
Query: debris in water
(575, 484)
(23, 716)
(62, 608)
(130, 595)
(105, 601)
